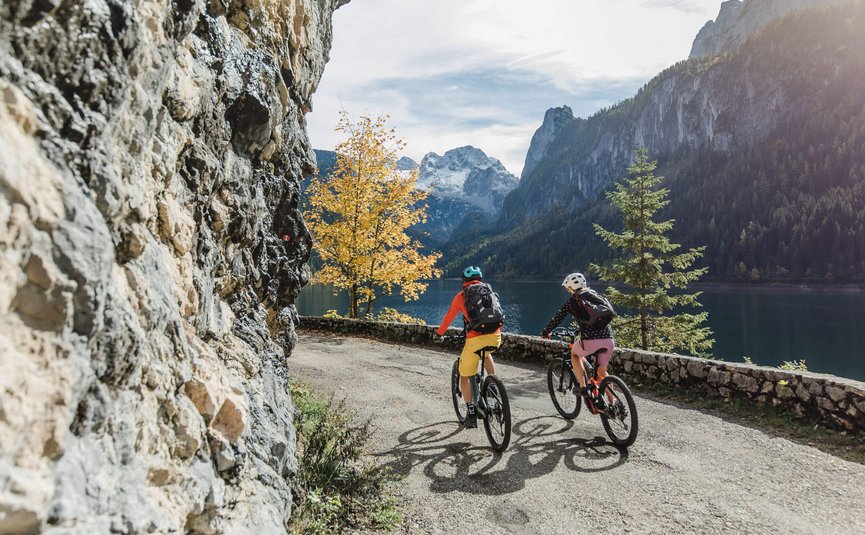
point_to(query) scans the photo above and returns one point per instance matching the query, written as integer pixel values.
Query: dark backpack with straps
(483, 308)
(598, 307)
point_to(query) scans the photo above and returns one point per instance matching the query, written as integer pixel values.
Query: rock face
(739, 19)
(554, 120)
(718, 104)
(150, 254)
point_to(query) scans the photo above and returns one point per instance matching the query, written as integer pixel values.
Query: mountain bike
(609, 398)
(490, 398)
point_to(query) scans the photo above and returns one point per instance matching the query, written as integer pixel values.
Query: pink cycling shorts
(587, 347)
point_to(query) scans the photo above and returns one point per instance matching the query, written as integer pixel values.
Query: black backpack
(598, 307)
(483, 308)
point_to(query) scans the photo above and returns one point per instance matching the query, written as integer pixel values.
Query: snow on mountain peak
(469, 174)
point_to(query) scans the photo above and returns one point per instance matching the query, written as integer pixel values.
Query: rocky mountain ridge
(760, 146)
(554, 120)
(740, 19)
(467, 174)
(688, 106)
(464, 184)
(150, 162)
(463, 181)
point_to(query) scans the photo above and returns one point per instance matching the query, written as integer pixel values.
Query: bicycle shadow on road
(537, 449)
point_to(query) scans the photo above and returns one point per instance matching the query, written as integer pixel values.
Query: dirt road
(687, 471)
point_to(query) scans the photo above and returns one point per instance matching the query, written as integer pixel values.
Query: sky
(450, 73)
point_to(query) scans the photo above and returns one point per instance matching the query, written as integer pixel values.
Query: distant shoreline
(800, 287)
(791, 287)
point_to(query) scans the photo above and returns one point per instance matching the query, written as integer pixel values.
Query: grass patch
(768, 418)
(338, 489)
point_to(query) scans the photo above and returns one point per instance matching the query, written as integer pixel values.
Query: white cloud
(452, 72)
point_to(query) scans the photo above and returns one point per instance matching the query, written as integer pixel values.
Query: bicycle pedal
(471, 421)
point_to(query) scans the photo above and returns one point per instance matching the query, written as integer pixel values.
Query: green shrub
(337, 488)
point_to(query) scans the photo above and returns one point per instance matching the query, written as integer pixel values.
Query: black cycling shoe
(471, 418)
(601, 403)
(598, 401)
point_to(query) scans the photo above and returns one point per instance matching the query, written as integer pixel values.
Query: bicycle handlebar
(563, 334)
(451, 338)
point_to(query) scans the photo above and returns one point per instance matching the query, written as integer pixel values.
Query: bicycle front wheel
(497, 410)
(459, 405)
(620, 416)
(564, 389)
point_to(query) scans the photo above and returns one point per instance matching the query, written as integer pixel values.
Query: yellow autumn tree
(359, 216)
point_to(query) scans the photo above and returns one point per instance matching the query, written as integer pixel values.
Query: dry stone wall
(829, 400)
(150, 253)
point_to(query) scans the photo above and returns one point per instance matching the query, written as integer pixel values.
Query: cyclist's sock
(471, 407)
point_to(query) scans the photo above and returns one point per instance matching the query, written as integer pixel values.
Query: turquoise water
(825, 328)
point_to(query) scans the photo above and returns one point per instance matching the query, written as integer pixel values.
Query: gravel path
(687, 471)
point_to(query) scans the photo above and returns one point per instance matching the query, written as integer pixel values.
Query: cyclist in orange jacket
(475, 340)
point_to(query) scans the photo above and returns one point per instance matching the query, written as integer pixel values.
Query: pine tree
(359, 216)
(650, 267)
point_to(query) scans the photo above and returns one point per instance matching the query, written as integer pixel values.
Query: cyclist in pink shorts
(595, 332)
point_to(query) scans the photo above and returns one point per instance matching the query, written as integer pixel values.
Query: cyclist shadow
(537, 449)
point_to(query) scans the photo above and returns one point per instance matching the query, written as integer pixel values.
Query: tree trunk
(368, 308)
(352, 301)
(644, 328)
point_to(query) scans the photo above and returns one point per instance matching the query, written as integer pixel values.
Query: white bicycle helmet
(575, 282)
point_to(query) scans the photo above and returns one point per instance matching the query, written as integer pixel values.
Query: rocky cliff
(722, 104)
(761, 147)
(554, 120)
(740, 19)
(151, 250)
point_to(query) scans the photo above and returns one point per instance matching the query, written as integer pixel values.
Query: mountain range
(463, 183)
(761, 135)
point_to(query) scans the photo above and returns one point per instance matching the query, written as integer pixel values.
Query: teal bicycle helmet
(472, 273)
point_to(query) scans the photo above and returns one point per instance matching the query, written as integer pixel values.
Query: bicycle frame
(590, 375)
(479, 379)
(607, 397)
(488, 395)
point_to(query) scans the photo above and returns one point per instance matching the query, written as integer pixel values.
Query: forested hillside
(775, 191)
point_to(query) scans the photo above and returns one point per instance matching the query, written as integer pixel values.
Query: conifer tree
(359, 216)
(650, 267)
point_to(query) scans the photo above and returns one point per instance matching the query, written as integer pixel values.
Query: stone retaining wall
(827, 399)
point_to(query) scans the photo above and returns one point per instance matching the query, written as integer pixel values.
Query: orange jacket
(459, 305)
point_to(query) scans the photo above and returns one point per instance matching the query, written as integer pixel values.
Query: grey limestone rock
(151, 249)
(554, 120)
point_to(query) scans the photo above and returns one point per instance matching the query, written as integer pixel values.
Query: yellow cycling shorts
(469, 360)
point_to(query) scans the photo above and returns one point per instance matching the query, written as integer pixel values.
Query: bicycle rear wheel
(459, 405)
(564, 389)
(620, 416)
(497, 413)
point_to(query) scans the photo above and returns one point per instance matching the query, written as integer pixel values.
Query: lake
(825, 328)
